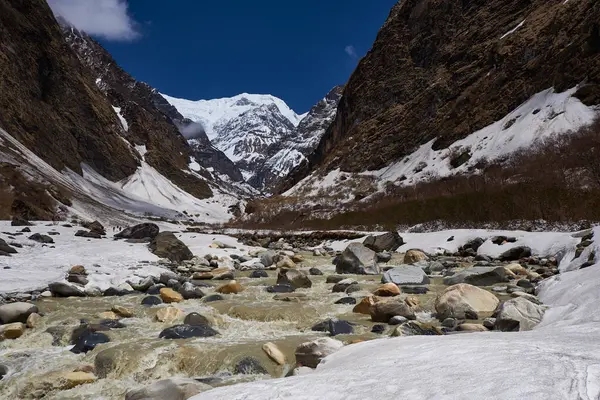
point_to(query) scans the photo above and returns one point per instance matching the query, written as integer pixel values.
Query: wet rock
(168, 295)
(16, 312)
(168, 314)
(3, 371)
(116, 292)
(196, 319)
(516, 253)
(12, 331)
(310, 354)
(166, 276)
(397, 320)
(414, 289)
(412, 256)
(525, 284)
(387, 290)
(346, 300)
(285, 262)
(267, 258)
(78, 279)
(250, 366)
(187, 331)
(111, 324)
(33, 320)
(464, 301)
(315, 271)
(364, 306)
(489, 323)
(87, 340)
(274, 353)
(258, 274)
(166, 245)
(405, 275)
(62, 289)
(108, 315)
(471, 246)
(389, 241)
(212, 297)
(280, 289)
(141, 231)
(355, 287)
(334, 327)
(78, 270)
(334, 279)
(383, 311)
(189, 291)
(450, 323)
(297, 279)
(150, 301)
(518, 314)
(73, 379)
(291, 297)
(168, 389)
(144, 284)
(357, 259)
(342, 285)
(37, 237)
(122, 311)
(378, 329)
(231, 287)
(479, 276)
(415, 328)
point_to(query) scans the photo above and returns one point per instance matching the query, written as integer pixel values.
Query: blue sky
(194, 49)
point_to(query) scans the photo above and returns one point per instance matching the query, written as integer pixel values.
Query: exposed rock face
(444, 69)
(143, 123)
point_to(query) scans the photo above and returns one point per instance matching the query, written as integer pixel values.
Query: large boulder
(334, 327)
(249, 366)
(95, 227)
(415, 328)
(518, 314)
(478, 276)
(267, 258)
(5, 248)
(168, 295)
(12, 331)
(38, 237)
(62, 289)
(464, 301)
(16, 312)
(187, 331)
(414, 255)
(383, 311)
(295, 278)
(166, 245)
(405, 275)
(357, 259)
(189, 291)
(310, 354)
(516, 253)
(141, 231)
(18, 221)
(387, 290)
(168, 389)
(87, 340)
(389, 241)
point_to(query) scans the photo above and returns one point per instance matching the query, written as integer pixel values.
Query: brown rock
(78, 270)
(33, 320)
(168, 314)
(383, 311)
(122, 311)
(12, 331)
(74, 379)
(364, 306)
(413, 256)
(387, 290)
(168, 295)
(230, 288)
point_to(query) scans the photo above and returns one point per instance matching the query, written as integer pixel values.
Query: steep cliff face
(49, 101)
(443, 69)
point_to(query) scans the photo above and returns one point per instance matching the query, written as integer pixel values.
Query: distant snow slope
(559, 359)
(545, 114)
(214, 114)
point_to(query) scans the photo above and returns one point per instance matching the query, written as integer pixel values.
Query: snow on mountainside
(214, 114)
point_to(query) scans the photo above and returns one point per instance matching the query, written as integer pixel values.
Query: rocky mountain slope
(441, 70)
(260, 133)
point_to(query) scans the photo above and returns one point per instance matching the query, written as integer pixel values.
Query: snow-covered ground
(109, 262)
(545, 114)
(560, 359)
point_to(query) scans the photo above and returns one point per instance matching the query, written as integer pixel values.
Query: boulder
(95, 226)
(4, 247)
(405, 275)
(187, 331)
(249, 366)
(342, 285)
(415, 328)
(364, 307)
(267, 258)
(122, 311)
(518, 314)
(231, 287)
(190, 291)
(334, 278)
(310, 354)
(516, 253)
(87, 340)
(383, 257)
(387, 290)
(79, 279)
(291, 297)
(33, 320)
(168, 295)
(144, 284)
(283, 288)
(196, 319)
(479, 276)
(383, 311)
(315, 271)
(16, 312)
(412, 256)
(217, 274)
(168, 389)
(389, 241)
(150, 301)
(414, 289)
(12, 331)
(168, 314)
(62, 289)
(346, 300)
(285, 262)
(296, 278)
(166, 245)
(274, 353)
(334, 326)
(166, 276)
(37, 237)
(258, 274)
(357, 259)
(471, 246)
(212, 297)
(464, 301)
(141, 231)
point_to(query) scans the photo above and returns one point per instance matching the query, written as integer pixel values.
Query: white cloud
(106, 18)
(351, 51)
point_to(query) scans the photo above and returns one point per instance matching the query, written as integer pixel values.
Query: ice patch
(124, 123)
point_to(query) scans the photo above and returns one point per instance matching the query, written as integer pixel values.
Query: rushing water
(136, 356)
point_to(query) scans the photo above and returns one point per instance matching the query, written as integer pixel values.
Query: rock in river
(405, 275)
(296, 278)
(168, 389)
(187, 331)
(389, 241)
(166, 245)
(334, 327)
(310, 354)
(16, 312)
(357, 259)
(250, 366)
(464, 301)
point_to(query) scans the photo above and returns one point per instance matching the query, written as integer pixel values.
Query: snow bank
(560, 359)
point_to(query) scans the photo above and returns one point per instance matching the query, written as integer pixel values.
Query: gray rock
(516, 253)
(141, 231)
(518, 314)
(357, 259)
(489, 323)
(342, 285)
(79, 279)
(334, 279)
(166, 276)
(296, 278)
(250, 366)
(405, 275)
(196, 319)
(168, 389)
(88, 234)
(383, 311)
(315, 271)
(93, 291)
(397, 320)
(267, 258)
(389, 241)
(187, 331)
(16, 312)
(384, 257)
(451, 323)
(62, 289)
(189, 291)
(478, 276)
(143, 285)
(258, 274)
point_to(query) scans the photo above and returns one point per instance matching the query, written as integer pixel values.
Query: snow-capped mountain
(261, 134)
